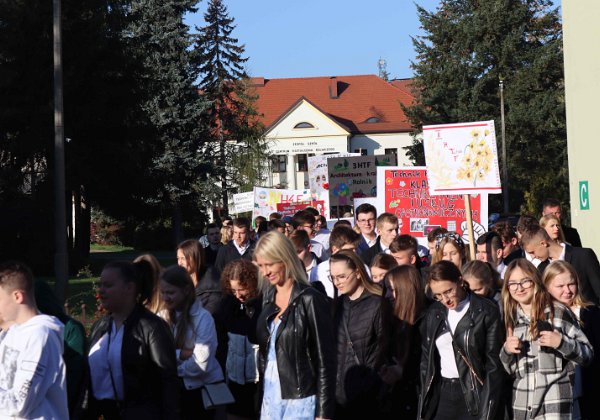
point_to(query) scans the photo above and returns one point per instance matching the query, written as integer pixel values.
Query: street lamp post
(504, 161)
(60, 223)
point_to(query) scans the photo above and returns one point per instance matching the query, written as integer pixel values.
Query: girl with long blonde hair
(544, 334)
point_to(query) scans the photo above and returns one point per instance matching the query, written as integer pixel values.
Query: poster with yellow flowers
(462, 158)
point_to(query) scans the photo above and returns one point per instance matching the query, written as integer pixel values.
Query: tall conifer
(231, 116)
(467, 48)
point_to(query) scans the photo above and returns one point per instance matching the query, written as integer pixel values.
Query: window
(304, 124)
(302, 163)
(279, 163)
(363, 152)
(373, 120)
(392, 152)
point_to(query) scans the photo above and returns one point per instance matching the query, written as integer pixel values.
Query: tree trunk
(177, 224)
(225, 211)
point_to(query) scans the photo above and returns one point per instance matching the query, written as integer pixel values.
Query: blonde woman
(551, 224)
(295, 336)
(562, 282)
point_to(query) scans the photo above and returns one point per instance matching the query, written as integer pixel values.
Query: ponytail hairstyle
(484, 272)
(356, 264)
(140, 273)
(155, 302)
(410, 296)
(540, 301)
(179, 277)
(194, 256)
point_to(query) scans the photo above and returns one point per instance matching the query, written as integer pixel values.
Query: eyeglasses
(365, 221)
(513, 286)
(450, 293)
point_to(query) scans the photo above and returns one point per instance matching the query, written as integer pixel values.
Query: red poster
(407, 196)
(289, 209)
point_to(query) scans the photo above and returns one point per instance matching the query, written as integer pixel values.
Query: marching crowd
(294, 321)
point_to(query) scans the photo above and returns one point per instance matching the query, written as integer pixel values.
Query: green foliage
(468, 47)
(234, 132)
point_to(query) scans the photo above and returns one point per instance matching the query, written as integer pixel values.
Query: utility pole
(504, 161)
(61, 269)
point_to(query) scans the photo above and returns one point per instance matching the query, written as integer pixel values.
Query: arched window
(304, 124)
(373, 120)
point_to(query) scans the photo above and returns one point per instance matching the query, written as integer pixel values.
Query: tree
(234, 129)
(468, 47)
(161, 42)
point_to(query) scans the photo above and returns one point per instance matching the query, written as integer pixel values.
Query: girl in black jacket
(461, 375)
(360, 323)
(132, 354)
(401, 372)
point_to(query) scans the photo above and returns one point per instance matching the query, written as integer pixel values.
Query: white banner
(266, 199)
(462, 158)
(243, 202)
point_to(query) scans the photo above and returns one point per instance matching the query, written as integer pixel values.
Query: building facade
(581, 34)
(326, 115)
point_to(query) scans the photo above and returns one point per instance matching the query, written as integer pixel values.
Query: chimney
(257, 81)
(333, 88)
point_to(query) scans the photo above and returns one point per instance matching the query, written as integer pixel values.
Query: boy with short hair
(537, 243)
(32, 372)
(342, 237)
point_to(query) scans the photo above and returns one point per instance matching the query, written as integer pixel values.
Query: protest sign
(266, 199)
(317, 177)
(243, 202)
(406, 194)
(289, 209)
(365, 200)
(354, 177)
(462, 158)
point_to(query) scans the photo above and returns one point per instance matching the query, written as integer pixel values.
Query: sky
(287, 38)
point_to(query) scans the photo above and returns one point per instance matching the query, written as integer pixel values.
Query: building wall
(376, 144)
(582, 84)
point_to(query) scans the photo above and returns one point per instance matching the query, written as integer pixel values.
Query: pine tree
(161, 41)
(234, 129)
(468, 47)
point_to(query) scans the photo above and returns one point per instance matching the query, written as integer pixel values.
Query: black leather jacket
(151, 385)
(478, 337)
(305, 346)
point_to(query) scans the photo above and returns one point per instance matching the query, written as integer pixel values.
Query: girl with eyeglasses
(461, 374)
(544, 343)
(562, 282)
(359, 322)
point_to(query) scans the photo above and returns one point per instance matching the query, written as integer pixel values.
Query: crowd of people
(297, 321)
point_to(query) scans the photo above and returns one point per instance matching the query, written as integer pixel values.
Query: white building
(320, 115)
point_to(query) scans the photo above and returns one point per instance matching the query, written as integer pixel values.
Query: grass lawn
(82, 289)
(109, 248)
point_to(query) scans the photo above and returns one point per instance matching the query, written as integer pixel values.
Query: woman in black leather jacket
(361, 321)
(461, 374)
(295, 335)
(132, 363)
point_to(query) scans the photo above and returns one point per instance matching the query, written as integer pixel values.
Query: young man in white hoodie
(32, 372)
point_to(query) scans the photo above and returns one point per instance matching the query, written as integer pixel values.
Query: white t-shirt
(32, 372)
(444, 341)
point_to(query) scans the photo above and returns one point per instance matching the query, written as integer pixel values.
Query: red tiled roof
(359, 98)
(404, 85)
